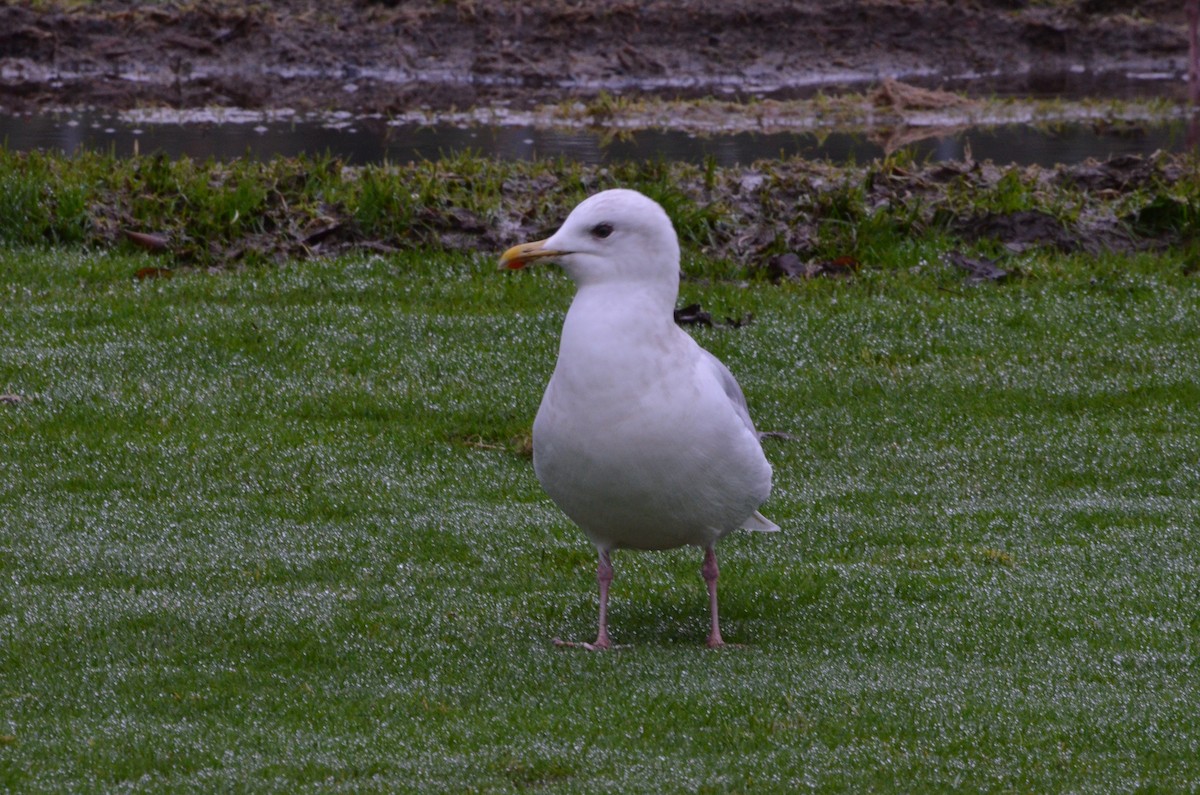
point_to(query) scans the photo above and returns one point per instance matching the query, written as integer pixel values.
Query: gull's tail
(760, 524)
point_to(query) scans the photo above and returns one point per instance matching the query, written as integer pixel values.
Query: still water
(362, 141)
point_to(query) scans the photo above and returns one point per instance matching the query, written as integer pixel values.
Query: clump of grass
(882, 215)
(43, 198)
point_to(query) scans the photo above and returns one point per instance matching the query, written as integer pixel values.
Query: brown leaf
(150, 242)
(154, 273)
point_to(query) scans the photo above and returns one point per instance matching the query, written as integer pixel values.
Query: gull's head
(614, 236)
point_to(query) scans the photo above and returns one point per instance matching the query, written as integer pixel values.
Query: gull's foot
(601, 644)
(714, 641)
(720, 644)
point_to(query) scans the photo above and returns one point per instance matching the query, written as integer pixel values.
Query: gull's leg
(604, 575)
(710, 572)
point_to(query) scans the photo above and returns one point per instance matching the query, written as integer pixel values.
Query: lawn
(273, 529)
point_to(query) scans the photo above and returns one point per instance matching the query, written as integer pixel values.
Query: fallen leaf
(155, 243)
(154, 273)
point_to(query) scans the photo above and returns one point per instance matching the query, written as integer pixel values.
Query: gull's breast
(648, 455)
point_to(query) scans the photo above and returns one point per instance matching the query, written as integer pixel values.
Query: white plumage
(643, 438)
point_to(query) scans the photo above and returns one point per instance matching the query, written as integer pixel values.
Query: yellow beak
(522, 254)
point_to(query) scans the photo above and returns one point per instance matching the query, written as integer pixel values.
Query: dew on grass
(274, 534)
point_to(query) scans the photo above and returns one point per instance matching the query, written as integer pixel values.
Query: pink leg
(710, 573)
(604, 575)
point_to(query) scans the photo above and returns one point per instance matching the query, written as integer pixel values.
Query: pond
(372, 140)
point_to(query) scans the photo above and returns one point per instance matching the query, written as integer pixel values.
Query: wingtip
(760, 524)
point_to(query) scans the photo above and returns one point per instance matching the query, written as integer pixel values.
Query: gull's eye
(602, 230)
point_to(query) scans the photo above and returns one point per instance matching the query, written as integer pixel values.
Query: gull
(643, 438)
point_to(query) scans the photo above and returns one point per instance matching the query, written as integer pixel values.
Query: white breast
(637, 439)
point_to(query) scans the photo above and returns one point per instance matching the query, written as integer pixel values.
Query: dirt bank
(395, 56)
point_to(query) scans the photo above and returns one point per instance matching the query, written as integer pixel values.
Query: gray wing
(732, 390)
(756, 521)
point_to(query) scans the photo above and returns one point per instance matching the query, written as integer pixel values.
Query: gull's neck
(631, 301)
(618, 318)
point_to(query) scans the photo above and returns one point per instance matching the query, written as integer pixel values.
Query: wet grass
(268, 530)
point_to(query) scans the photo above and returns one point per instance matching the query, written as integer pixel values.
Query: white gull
(643, 438)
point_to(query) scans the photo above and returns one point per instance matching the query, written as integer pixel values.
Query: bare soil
(390, 57)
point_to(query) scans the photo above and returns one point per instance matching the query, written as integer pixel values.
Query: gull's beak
(521, 255)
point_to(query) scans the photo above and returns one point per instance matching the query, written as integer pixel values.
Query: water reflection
(362, 141)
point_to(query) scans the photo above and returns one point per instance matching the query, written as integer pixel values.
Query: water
(372, 140)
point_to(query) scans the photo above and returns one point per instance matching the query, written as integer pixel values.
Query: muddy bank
(392, 57)
(779, 218)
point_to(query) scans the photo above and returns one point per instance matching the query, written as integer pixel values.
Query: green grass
(883, 215)
(265, 530)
